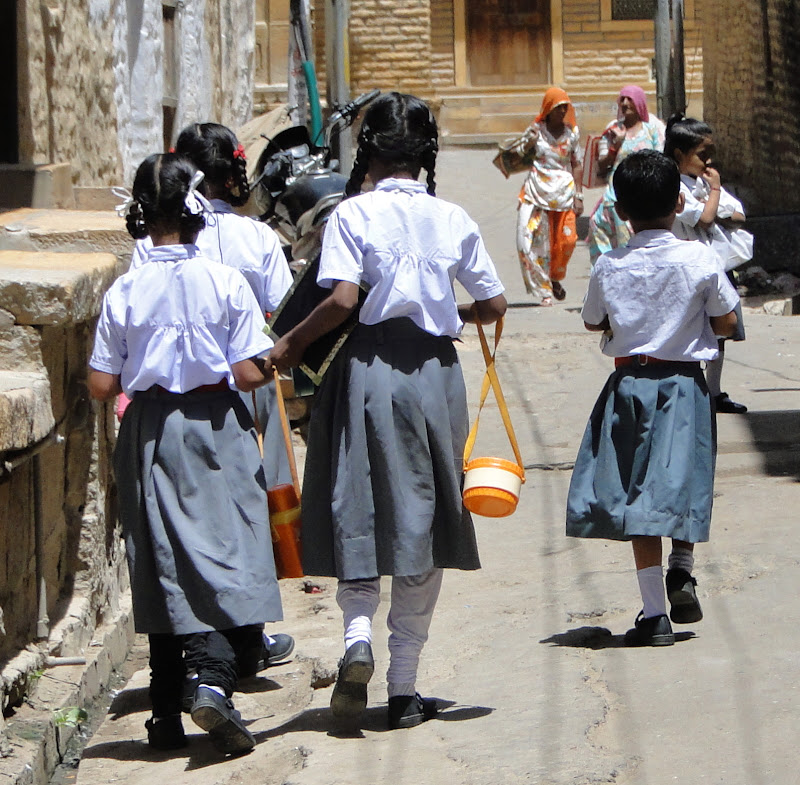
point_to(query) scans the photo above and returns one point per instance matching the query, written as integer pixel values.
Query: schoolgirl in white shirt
(179, 335)
(712, 216)
(645, 468)
(381, 493)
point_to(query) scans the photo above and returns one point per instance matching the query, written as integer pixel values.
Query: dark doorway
(9, 134)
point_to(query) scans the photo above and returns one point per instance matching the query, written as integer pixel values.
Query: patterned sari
(606, 229)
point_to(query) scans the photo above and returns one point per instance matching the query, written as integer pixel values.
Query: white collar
(650, 237)
(172, 253)
(401, 184)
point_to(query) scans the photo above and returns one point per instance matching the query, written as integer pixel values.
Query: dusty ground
(525, 655)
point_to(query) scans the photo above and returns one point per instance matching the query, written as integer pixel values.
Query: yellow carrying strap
(490, 380)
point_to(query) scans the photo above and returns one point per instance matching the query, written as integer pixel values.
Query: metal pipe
(43, 621)
(663, 42)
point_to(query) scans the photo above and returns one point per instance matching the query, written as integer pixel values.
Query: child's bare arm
(483, 311)
(724, 326)
(598, 328)
(252, 373)
(104, 386)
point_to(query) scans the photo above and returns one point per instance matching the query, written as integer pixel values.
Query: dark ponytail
(400, 131)
(684, 133)
(215, 150)
(159, 192)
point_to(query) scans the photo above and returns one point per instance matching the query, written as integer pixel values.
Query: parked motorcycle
(297, 187)
(298, 184)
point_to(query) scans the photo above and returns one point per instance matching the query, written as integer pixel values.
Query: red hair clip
(172, 149)
(239, 153)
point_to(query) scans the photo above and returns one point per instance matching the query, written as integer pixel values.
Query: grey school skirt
(192, 503)
(382, 481)
(646, 462)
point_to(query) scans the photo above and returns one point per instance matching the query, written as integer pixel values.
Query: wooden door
(508, 42)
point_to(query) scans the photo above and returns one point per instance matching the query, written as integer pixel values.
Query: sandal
(559, 292)
(546, 302)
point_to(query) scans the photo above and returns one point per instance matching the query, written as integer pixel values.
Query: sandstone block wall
(91, 81)
(752, 98)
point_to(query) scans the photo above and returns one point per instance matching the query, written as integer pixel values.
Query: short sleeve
(342, 254)
(246, 337)
(110, 347)
(692, 209)
(722, 297)
(477, 273)
(594, 308)
(277, 275)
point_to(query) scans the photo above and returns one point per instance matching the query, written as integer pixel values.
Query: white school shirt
(241, 242)
(408, 247)
(658, 293)
(179, 321)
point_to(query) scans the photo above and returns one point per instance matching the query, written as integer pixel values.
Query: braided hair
(215, 150)
(400, 131)
(684, 133)
(159, 193)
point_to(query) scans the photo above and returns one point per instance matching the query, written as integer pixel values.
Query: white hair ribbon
(195, 202)
(127, 200)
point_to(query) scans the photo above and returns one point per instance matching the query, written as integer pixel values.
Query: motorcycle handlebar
(351, 109)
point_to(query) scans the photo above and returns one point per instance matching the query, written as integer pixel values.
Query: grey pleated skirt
(646, 462)
(192, 503)
(383, 474)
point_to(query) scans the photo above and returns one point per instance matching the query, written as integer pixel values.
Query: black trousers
(210, 654)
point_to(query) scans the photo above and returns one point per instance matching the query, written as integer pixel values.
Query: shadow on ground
(597, 638)
(776, 435)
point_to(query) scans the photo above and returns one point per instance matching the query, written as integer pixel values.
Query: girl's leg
(647, 555)
(167, 673)
(685, 607)
(413, 601)
(722, 402)
(358, 600)
(212, 709)
(652, 627)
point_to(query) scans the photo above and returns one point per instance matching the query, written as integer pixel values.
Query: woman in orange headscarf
(551, 197)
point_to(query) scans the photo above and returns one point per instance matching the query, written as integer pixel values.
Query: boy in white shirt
(645, 467)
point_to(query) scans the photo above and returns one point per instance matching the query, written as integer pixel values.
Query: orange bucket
(492, 486)
(284, 519)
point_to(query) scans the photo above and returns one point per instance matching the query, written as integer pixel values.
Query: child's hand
(286, 353)
(711, 176)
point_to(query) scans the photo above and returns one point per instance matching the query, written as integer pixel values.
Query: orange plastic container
(492, 486)
(284, 519)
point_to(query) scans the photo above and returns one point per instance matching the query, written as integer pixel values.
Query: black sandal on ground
(559, 292)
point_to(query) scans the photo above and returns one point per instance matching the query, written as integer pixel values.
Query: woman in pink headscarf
(634, 129)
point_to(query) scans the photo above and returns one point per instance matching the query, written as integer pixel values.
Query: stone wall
(752, 98)
(91, 83)
(57, 514)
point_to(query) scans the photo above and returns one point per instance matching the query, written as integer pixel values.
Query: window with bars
(632, 9)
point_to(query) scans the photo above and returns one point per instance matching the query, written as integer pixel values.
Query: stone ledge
(26, 412)
(27, 229)
(34, 740)
(54, 288)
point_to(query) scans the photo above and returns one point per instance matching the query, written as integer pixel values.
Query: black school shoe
(724, 405)
(407, 711)
(279, 650)
(653, 631)
(685, 607)
(166, 734)
(349, 697)
(215, 714)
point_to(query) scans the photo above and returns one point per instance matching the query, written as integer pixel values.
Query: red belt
(640, 360)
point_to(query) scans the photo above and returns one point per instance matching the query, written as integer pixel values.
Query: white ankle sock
(682, 559)
(651, 585)
(359, 629)
(218, 690)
